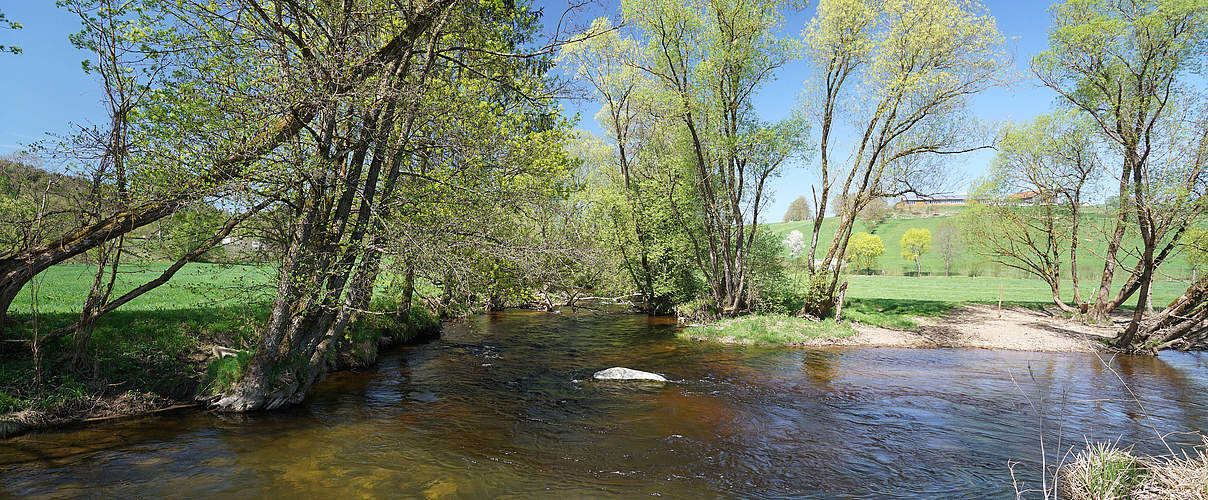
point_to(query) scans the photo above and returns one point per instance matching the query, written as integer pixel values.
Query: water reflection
(503, 405)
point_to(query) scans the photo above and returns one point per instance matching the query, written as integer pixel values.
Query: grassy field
(966, 262)
(771, 329)
(143, 347)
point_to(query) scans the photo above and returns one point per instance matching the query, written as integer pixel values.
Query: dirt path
(981, 326)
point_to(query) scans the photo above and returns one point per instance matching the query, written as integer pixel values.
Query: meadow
(966, 262)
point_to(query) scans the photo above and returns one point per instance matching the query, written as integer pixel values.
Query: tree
(1195, 248)
(6, 23)
(916, 242)
(795, 241)
(798, 211)
(1054, 157)
(948, 240)
(863, 250)
(638, 189)
(702, 62)
(874, 213)
(914, 65)
(1129, 66)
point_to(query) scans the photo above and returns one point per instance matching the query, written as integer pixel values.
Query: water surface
(503, 406)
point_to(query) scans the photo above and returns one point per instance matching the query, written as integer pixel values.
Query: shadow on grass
(895, 313)
(148, 351)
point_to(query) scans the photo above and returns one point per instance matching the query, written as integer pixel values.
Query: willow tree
(374, 151)
(1129, 65)
(706, 60)
(902, 71)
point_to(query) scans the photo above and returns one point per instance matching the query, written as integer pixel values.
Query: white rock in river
(619, 373)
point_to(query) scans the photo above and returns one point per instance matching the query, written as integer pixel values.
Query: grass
(151, 345)
(1105, 471)
(154, 344)
(222, 373)
(899, 314)
(771, 329)
(923, 294)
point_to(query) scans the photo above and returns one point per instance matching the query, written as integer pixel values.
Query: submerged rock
(620, 373)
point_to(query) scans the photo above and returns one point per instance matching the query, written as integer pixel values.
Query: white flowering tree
(796, 243)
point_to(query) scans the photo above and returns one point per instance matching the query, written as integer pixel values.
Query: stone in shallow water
(619, 373)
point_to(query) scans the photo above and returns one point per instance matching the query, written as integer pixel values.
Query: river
(503, 406)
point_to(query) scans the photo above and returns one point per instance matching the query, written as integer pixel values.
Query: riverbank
(186, 375)
(966, 326)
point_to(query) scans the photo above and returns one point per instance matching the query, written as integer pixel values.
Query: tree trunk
(408, 293)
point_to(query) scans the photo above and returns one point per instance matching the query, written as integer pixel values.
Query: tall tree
(915, 64)
(1128, 65)
(700, 63)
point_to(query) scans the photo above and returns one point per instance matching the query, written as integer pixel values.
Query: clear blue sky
(44, 90)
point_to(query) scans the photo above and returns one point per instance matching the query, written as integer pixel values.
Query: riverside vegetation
(278, 188)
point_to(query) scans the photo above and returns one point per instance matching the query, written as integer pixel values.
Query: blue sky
(44, 89)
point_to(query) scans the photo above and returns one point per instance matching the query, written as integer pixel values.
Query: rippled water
(502, 407)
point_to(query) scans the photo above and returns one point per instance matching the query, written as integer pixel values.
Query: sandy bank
(982, 326)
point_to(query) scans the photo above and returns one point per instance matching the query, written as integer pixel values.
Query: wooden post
(1000, 299)
(839, 305)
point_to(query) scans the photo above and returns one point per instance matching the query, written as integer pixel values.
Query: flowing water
(503, 406)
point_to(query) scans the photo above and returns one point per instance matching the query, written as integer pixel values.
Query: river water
(503, 406)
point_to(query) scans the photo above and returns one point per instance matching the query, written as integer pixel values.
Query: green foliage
(6, 23)
(189, 228)
(915, 242)
(772, 288)
(863, 249)
(799, 210)
(1195, 247)
(769, 329)
(818, 296)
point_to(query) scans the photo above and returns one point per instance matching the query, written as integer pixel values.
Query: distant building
(944, 200)
(1025, 197)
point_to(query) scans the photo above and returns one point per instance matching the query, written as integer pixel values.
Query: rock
(619, 373)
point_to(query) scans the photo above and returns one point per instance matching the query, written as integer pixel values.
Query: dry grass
(1104, 471)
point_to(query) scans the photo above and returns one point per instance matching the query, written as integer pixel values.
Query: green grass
(146, 345)
(222, 373)
(154, 343)
(963, 289)
(891, 263)
(1103, 471)
(898, 314)
(771, 329)
(62, 288)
